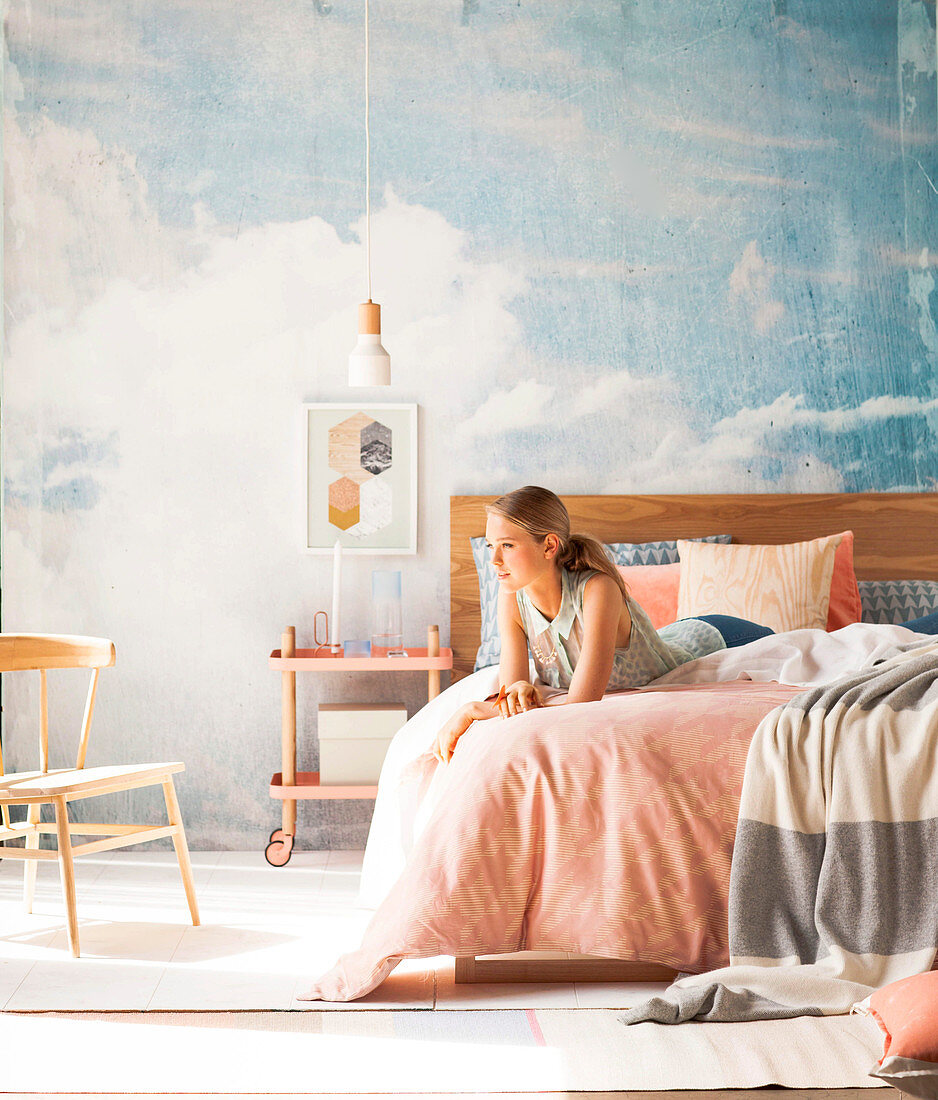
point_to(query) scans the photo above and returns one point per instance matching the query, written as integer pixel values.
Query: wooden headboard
(896, 535)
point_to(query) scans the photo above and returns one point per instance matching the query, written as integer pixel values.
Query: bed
(460, 890)
(896, 536)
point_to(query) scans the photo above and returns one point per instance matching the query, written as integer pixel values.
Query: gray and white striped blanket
(834, 881)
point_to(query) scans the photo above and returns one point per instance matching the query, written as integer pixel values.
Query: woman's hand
(446, 739)
(521, 696)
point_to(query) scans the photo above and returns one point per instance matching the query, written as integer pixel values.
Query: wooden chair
(58, 787)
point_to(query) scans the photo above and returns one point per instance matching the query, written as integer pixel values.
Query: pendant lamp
(369, 364)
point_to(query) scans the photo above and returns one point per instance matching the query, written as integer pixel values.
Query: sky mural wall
(620, 246)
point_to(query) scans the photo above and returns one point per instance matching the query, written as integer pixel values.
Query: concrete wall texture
(621, 246)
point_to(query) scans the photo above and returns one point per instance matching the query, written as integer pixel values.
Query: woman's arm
(602, 609)
(513, 664)
(445, 743)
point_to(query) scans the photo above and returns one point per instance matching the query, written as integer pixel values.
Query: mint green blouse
(555, 644)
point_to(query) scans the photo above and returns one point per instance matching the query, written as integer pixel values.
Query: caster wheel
(278, 851)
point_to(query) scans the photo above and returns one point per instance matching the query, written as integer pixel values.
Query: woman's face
(517, 557)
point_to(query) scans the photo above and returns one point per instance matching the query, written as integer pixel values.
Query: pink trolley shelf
(288, 784)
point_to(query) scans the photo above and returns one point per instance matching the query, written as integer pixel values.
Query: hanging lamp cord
(367, 156)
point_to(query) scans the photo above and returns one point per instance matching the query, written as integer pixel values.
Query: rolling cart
(288, 785)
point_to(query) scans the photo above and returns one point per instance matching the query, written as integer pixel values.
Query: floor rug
(425, 1052)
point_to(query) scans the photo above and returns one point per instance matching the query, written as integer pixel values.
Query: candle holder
(335, 643)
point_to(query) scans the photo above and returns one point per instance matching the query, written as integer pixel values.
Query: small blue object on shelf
(357, 648)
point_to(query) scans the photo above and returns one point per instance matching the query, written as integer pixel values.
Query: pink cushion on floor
(907, 1012)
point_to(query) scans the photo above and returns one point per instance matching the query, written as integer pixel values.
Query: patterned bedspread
(834, 884)
(599, 828)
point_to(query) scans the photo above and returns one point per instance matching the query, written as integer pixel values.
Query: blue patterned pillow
(622, 553)
(654, 553)
(897, 601)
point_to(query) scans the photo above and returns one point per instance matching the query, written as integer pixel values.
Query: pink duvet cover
(599, 828)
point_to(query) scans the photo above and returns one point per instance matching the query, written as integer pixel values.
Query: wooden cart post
(288, 730)
(280, 847)
(433, 650)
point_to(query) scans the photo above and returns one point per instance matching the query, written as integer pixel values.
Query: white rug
(155, 1005)
(426, 1052)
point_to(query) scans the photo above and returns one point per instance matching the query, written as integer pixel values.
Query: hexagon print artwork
(361, 477)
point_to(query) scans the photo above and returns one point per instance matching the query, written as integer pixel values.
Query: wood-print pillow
(784, 587)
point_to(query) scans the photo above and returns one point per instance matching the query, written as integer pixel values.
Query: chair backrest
(24, 652)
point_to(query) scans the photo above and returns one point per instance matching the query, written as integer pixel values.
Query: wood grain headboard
(896, 535)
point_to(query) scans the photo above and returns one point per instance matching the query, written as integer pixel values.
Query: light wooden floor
(709, 1095)
(266, 932)
(732, 1094)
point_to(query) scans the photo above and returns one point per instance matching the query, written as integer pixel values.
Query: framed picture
(361, 478)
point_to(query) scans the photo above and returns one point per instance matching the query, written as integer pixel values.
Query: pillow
(897, 601)
(785, 587)
(655, 587)
(653, 553)
(907, 1013)
(845, 606)
(622, 553)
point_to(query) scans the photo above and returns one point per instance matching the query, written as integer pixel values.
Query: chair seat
(74, 781)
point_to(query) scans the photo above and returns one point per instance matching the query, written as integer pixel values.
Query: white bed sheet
(800, 657)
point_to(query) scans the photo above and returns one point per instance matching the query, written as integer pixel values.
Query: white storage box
(353, 740)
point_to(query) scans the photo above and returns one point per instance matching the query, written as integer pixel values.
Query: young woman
(560, 595)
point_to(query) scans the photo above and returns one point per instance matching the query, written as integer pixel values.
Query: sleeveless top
(555, 645)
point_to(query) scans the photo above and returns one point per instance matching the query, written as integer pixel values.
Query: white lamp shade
(369, 364)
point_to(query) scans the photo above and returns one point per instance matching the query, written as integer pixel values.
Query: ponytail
(579, 553)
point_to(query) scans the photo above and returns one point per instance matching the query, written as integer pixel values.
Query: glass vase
(387, 635)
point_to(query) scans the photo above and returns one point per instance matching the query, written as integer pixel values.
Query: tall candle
(336, 584)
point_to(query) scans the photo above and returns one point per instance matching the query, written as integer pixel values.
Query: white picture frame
(361, 477)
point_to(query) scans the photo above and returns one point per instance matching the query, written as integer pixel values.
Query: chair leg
(182, 848)
(30, 866)
(67, 867)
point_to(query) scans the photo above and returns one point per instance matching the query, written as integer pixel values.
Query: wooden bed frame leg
(465, 970)
(557, 967)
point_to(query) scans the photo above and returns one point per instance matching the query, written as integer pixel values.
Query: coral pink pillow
(907, 1013)
(845, 606)
(654, 587)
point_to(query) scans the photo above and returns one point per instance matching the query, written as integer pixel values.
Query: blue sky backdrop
(737, 197)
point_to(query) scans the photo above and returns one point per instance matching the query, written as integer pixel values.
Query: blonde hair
(540, 513)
